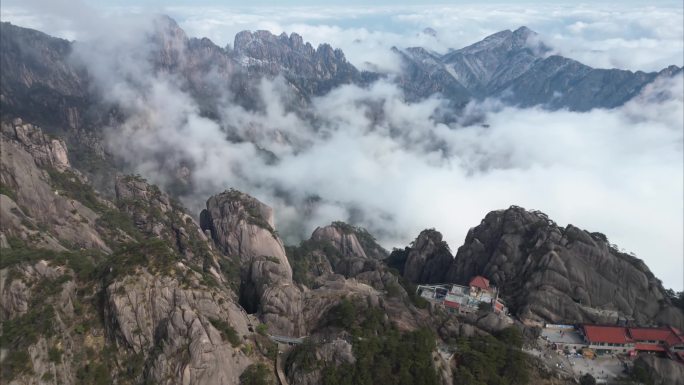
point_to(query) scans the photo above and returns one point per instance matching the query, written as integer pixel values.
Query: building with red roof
(667, 340)
(618, 339)
(607, 339)
(479, 282)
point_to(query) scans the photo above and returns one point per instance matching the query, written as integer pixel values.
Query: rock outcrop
(179, 326)
(561, 274)
(244, 227)
(661, 371)
(334, 353)
(38, 189)
(70, 256)
(427, 260)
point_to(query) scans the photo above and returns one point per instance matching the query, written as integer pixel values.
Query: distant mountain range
(40, 81)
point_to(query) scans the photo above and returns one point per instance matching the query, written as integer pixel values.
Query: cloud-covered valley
(365, 155)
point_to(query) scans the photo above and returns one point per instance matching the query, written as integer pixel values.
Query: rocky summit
(107, 278)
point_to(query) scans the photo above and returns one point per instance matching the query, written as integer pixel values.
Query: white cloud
(630, 36)
(387, 165)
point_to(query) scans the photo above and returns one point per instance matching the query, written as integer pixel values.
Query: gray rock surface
(27, 156)
(155, 314)
(427, 259)
(560, 274)
(242, 226)
(662, 370)
(333, 353)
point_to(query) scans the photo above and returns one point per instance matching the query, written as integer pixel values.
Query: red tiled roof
(453, 305)
(650, 334)
(649, 348)
(479, 282)
(607, 334)
(674, 340)
(676, 337)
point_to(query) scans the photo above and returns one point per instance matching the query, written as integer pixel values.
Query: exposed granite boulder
(345, 242)
(156, 215)
(46, 151)
(172, 328)
(560, 274)
(428, 258)
(662, 371)
(242, 226)
(350, 241)
(334, 353)
(34, 173)
(343, 249)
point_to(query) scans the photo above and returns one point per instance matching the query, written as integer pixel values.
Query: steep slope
(426, 260)
(516, 67)
(94, 291)
(486, 65)
(38, 81)
(561, 274)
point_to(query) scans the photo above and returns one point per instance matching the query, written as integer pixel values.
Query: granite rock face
(427, 260)
(334, 353)
(132, 290)
(30, 164)
(150, 314)
(560, 274)
(519, 69)
(663, 371)
(244, 227)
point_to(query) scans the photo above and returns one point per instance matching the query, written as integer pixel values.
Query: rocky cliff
(547, 273)
(518, 68)
(92, 290)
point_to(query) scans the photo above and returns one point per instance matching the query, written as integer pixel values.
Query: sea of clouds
(377, 161)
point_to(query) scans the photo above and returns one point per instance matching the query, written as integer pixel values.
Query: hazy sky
(617, 171)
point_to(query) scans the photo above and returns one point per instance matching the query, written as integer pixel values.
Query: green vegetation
(18, 334)
(54, 354)
(640, 373)
(253, 216)
(8, 191)
(68, 184)
(306, 256)
(383, 354)
(16, 363)
(397, 260)
(82, 262)
(367, 241)
(677, 298)
(262, 329)
(154, 254)
(230, 267)
(96, 373)
(587, 379)
(227, 331)
(256, 374)
(484, 360)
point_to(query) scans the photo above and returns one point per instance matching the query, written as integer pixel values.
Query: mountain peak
(524, 31)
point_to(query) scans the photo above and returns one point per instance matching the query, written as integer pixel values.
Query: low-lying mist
(366, 156)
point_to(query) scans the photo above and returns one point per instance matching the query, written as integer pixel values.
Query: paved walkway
(281, 358)
(287, 340)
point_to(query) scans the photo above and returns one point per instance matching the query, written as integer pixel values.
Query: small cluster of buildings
(665, 341)
(464, 299)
